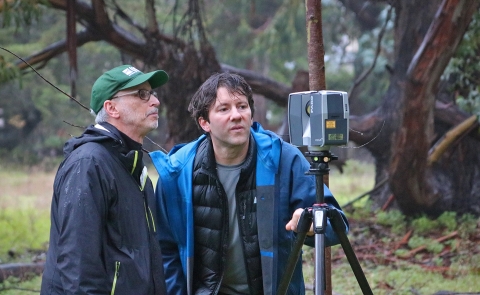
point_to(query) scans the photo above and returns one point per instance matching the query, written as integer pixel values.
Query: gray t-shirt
(235, 275)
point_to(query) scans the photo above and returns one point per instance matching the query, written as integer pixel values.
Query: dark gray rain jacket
(101, 223)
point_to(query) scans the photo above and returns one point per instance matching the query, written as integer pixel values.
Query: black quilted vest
(211, 221)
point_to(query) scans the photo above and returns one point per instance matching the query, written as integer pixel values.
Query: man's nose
(154, 101)
(235, 113)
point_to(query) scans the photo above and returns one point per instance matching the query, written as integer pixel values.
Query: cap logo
(130, 71)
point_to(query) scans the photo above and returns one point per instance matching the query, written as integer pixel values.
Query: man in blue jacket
(229, 201)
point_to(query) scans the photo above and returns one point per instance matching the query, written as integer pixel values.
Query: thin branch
(271, 89)
(73, 125)
(379, 184)
(412, 252)
(367, 72)
(55, 49)
(51, 84)
(125, 17)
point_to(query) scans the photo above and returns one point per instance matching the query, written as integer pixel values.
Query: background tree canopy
(410, 69)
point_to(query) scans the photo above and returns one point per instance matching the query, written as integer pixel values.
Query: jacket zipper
(115, 276)
(225, 234)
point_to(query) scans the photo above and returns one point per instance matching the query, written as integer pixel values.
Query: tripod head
(319, 160)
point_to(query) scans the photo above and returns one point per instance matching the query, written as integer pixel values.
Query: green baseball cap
(120, 78)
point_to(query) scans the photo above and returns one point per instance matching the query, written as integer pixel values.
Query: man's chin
(153, 126)
(240, 140)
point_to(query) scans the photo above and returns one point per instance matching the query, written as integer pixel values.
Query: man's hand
(292, 224)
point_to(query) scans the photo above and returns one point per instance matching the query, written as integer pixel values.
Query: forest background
(267, 42)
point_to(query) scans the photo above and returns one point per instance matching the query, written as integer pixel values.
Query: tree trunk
(427, 35)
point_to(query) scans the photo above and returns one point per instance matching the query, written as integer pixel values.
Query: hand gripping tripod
(318, 214)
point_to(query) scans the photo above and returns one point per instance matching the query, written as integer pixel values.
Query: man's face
(229, 122)
(137, 117)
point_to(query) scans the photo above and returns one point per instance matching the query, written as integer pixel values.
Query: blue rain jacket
(282, 187)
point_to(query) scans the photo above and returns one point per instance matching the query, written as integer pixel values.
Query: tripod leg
(302, 228)
(339, 228)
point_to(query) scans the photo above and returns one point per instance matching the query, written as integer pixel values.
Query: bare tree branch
(459, 131)
(96, 20)
(54, 50)
(366, 11)
(152, 24)
(267, 87)
(365, 74)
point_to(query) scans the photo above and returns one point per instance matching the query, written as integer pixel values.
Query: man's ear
(204, 124)
(111, 108)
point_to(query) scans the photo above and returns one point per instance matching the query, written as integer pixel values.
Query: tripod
(318, 214)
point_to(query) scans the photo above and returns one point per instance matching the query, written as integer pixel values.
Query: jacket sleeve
(175, 279)
(82, 207)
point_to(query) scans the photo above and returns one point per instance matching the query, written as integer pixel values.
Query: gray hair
(101, 116)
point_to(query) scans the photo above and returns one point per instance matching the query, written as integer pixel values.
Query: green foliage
(273, 38)
(361, 212)
(424, 225)
(340, 79)
(403, 279)
(21, 12)
(372, 89)
(448, 220)
(345, 188)
(401, 252)
(430, 244)
(270, 37)
(22, 229)
(467, 225)
(8, 72)
(390, 218)
(465, 265)
(393, 218)
(55, 107)
(463, 71)
(14, 286)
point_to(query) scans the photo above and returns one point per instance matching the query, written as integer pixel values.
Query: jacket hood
(269, 147)
(94, 133)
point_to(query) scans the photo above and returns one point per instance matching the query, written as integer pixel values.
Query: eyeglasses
(143, 94)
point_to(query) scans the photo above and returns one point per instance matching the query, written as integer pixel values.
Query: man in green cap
(102, 236)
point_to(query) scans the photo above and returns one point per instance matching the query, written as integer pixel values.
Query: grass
(14, 287)
(402, 279)
(24, 213)
(452, 265)
(357, 178)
